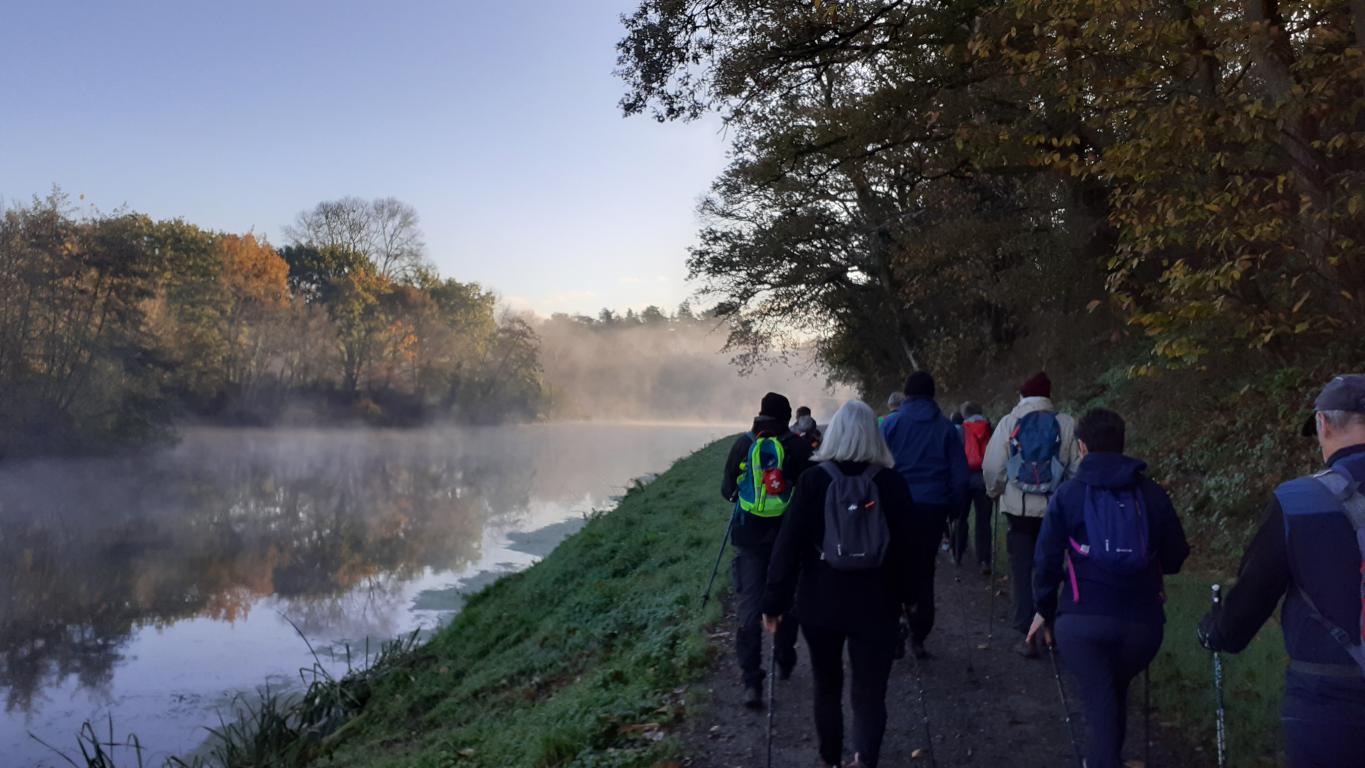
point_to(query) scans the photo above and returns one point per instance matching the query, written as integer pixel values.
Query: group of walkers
(838, 533)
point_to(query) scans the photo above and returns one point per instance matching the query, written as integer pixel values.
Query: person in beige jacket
(1024, 510)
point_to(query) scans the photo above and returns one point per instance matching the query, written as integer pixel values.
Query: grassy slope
(574, 662)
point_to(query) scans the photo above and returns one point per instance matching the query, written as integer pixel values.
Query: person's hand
(771, 623)
(1039, 626)
(1204, 633)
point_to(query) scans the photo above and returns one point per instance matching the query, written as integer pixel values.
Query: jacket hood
(920, 409)
(1110, 470)
(803, 425)
(1029, 405)
(769, 425)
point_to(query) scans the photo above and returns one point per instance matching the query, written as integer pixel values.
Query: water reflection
(114, 571)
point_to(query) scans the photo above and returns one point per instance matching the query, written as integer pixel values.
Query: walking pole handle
(1216, 595)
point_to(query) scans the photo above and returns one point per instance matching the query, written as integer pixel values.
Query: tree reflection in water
(92, 550)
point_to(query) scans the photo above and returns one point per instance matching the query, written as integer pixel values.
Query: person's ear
(1084, 449)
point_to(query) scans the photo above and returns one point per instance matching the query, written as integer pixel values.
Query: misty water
(156, 589)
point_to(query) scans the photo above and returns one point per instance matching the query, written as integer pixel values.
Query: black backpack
(856, 534)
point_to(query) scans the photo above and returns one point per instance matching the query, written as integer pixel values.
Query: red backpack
(975, 435)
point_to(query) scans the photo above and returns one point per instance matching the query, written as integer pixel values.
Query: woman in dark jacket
(1110, 620)
(857, 607)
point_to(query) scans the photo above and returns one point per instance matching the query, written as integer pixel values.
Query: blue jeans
(1324, 721)
(1104, 654)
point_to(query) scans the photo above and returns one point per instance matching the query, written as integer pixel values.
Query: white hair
(894, 400)
(1339, 420)
(853, 436)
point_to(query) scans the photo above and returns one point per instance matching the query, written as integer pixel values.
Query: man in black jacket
(1310, 551)
(760, 477)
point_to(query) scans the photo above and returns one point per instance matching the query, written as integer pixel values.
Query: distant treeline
(114, 327)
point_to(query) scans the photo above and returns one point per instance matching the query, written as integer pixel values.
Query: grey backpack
(856, 536)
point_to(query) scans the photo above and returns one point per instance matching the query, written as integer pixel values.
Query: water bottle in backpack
(856, 534)
(1035, 464)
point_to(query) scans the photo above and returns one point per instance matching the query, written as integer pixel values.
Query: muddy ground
(986, 705)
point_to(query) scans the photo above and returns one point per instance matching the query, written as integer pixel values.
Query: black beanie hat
(920, 384)
(776, 406)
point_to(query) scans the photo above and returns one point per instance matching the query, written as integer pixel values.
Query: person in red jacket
(976, 435)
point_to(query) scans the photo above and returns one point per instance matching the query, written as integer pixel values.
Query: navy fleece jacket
(1133, 598)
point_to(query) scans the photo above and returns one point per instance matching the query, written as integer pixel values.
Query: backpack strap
(1346, 491)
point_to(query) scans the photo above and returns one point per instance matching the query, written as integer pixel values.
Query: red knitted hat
(1039, 385)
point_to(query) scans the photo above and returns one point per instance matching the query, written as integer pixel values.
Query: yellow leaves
(1300, 303)
(252, 270)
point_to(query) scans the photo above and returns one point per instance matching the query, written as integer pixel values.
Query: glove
(1204, 633)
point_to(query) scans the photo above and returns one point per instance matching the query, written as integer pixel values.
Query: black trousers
(930, 521)
(977, 501)
(870, 656)
(750, 574)
(982, 504)
(1021, 541)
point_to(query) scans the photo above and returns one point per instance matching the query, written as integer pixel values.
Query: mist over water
(674, 371)
(154, 588)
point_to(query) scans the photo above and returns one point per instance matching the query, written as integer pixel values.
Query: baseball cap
(1344, 393)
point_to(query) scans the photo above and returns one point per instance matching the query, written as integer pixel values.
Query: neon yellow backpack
(763, 489)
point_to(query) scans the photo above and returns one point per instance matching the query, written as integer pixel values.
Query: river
(155, 589)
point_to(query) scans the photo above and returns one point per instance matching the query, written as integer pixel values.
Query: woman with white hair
(845, 599)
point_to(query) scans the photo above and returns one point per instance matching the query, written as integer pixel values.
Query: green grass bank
(581, 660)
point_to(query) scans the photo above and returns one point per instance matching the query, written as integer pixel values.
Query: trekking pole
(990, 601)
(1218, 689)
(924, 711)
(706, 596)
(1147, 717)
(1066, 705)
(772, 676)
(966, 634)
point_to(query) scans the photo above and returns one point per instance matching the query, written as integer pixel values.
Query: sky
(496, 119)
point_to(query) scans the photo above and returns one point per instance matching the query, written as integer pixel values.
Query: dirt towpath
(986, 706)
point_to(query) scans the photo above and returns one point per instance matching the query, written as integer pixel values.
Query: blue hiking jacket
(1136, 598)
(928, 452)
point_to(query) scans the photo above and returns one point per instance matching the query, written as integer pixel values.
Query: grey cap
(1344, 393)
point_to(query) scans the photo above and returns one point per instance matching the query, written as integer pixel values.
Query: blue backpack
(1117, 529)
(1035, 465)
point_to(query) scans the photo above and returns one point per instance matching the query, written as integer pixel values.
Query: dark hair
(920, 384)
(1102, 431)
(970, 409)
(802, 411)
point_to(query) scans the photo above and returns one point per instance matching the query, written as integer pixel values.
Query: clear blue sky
(496, 119)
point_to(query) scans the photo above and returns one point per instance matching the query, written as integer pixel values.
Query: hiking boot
(753, 696)
(1026, 649)
(856, 762)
